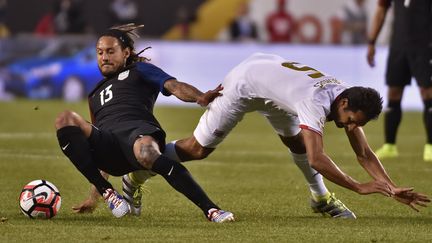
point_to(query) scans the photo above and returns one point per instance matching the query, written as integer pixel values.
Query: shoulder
(145, 66)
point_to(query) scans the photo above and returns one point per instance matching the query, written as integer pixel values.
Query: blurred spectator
(4, 30)
(280, 24)
(184, 19)
(45, 25)
(69, 17)
(242, 28)
(123, 12)
(354, 20)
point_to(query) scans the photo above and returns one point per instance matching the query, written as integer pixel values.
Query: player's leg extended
(426, 94)
(322, 200)
(392, 119)
(73, 133)
(148, 155)
(214, 125)
(186, 149)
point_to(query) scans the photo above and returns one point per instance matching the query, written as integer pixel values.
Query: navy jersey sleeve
(154, 74)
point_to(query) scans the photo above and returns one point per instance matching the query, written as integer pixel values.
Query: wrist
(371, 42)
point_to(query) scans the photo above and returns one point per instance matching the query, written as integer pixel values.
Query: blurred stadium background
(47, 55)
(46, 48)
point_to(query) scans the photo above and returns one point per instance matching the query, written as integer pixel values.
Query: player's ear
(343, 103)
(127, 52)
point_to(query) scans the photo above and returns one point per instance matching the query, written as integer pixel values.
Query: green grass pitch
(250, 174)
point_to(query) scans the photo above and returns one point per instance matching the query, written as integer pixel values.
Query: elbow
(365, 156)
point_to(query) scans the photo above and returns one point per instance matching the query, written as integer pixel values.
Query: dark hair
(365, 99)
(126, 34)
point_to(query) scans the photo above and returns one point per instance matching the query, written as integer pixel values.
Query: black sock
(427, 119)
(75, 146)
(181, 180)
(392, 119)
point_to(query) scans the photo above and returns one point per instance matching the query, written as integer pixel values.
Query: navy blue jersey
(127, 96)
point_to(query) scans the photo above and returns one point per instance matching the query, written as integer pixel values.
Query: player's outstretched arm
(373, 166)
(326, 167)
(189, 93)
(366, 157)
(90, 203)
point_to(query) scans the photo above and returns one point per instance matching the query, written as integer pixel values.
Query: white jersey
(293, 87)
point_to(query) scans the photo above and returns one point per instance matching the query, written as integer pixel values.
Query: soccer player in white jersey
(297, 100)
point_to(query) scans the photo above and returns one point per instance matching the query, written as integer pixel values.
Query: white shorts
(226, 111)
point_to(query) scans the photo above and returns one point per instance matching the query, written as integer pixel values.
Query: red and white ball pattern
(40, 199)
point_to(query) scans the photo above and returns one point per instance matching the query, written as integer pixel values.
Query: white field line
(26, 135)
(32, 156)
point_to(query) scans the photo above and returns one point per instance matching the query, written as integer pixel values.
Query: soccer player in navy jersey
(410, 56)
(125, 136)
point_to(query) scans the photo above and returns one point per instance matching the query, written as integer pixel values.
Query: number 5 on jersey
(292, 65)
(106, 95)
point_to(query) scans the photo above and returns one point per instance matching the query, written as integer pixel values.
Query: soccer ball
(40, 199)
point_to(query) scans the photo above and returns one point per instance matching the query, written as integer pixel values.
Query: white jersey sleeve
(312, 115)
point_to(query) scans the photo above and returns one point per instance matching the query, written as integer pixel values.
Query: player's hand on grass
(209, 96)
(411, 198)
(87, 206)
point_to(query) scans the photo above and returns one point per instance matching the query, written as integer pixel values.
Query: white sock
(314, 179)
(170, 151)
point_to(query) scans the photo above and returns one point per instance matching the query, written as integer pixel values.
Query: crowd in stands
(348, 24)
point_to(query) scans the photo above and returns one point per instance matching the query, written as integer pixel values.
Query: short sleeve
(312, 116)
(155, 75)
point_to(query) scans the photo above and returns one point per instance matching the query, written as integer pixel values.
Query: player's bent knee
(67, 118)
(146, 151)
(295, 143)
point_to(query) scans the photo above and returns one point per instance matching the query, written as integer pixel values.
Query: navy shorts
(404, 64)
(112, 149)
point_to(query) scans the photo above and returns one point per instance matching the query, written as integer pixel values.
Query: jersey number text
(106, 95)
(314, 74)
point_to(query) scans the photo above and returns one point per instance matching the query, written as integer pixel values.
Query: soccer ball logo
(40, 199)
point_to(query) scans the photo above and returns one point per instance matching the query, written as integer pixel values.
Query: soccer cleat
(132, 194)
(427, 154)
(330, 205)
(219, 216)
(387, 151)
(119, 207)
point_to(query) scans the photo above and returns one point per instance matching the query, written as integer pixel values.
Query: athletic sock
(313, 177)
(139, 177)
(75, 146)
(181, 180)
(427, 119)
(392, 119)
(171, 152)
